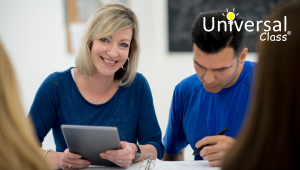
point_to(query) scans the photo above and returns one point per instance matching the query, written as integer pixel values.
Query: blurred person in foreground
(19, 148)
(271, 136)
(103, 90)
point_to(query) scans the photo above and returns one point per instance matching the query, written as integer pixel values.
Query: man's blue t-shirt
(196, 113)
(58, 101)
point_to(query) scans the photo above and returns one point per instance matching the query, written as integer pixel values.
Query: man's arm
(177, 157)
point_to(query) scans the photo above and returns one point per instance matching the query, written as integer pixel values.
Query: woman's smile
(108, 62)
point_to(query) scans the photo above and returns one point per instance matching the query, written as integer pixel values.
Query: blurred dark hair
(215, 41)
(271, 136)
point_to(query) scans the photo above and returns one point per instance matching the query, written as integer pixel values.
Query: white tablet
(90, 141)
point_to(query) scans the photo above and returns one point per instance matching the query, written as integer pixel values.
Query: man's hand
(217, 149)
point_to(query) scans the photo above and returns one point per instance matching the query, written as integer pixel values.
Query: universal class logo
(249, 26)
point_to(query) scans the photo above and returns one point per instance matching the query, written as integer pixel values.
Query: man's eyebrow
(198, 64)
(221, 68)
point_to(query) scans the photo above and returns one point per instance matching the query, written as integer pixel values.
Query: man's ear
(242, 57)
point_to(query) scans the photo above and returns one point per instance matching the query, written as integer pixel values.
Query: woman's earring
(124, 64)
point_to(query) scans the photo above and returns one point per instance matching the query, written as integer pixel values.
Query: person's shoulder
(190, 83)
(54, 77)
(63, 73)
(139, 82)
(139, 76)
(252, 65)
(250, 73)
(139, 79)
(188, 86)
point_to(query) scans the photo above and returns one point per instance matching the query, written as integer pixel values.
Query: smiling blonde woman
(103, 90)
(113, 17)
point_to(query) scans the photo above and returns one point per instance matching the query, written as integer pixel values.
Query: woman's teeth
(110, 62)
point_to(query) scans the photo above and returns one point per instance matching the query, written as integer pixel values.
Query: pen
(197, 151)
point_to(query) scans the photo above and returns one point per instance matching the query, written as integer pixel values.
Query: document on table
(183, 165)
(164, 165)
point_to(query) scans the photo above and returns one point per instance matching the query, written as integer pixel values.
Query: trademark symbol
(289, 33)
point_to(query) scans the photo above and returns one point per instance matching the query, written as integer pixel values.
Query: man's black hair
(215, 41)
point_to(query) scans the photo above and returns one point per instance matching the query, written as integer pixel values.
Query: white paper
(162, 165)
(183, 165)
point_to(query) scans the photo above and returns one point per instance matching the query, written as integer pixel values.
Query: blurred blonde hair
(106, 21)
(18, 144)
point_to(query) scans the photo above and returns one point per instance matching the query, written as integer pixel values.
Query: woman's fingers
(70, 155)
(123, 161)
(72, 161)
(122, 157)
(69, 165)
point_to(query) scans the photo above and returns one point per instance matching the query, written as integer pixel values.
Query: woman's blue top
(58, 101)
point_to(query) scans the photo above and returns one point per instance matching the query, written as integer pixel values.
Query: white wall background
(34, 35)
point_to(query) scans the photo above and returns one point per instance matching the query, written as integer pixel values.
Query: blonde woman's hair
(108, 20)
(18, 144)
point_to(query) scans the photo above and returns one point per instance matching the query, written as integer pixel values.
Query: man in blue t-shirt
(217, 96)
